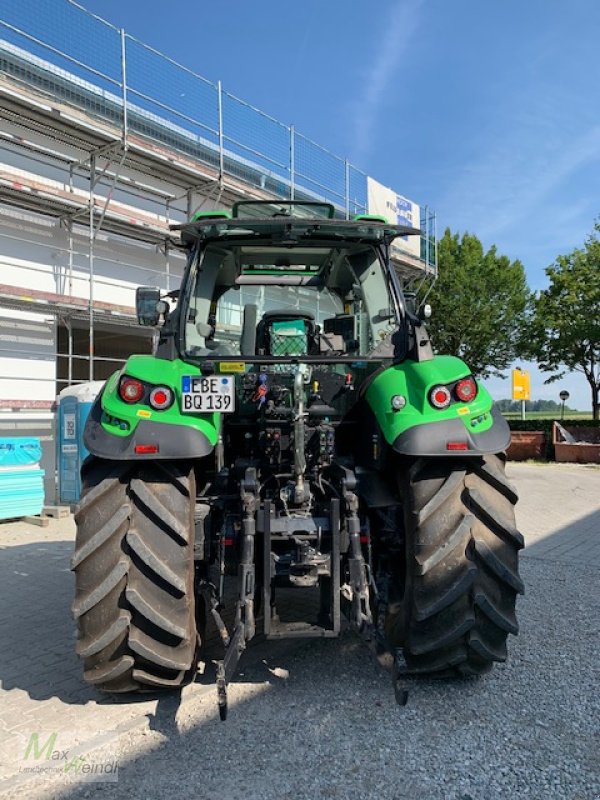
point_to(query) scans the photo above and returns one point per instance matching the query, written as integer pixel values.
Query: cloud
(525, 179)
(400, 28)
(532, 190)
(510, 172)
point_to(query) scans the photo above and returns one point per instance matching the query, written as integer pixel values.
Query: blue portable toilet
(73, 406)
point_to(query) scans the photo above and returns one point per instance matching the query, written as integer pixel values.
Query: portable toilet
(73, 406)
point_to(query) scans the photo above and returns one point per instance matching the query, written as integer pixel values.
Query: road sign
(521, 385)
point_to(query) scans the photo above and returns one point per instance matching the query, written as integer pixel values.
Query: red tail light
(440, 397)
(466, 390)
(131, 390)
(457, 446)
(146, 449)
(161, 397)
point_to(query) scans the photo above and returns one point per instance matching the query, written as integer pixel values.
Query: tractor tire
(134, 575)
(461, 567)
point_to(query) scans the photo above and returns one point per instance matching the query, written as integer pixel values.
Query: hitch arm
(244, 627)
(358, 568)
(357, 590)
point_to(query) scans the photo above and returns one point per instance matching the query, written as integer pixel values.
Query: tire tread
(134, 572)
(462, 566)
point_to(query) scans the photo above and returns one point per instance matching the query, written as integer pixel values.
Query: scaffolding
(136, 142)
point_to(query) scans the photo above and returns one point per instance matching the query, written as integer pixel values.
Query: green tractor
(295, 429)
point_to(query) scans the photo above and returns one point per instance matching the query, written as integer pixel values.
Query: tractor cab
(284, 284)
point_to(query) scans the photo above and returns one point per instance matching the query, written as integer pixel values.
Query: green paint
(216, 214)
(414, 380)
(370, 218)
(121, 419)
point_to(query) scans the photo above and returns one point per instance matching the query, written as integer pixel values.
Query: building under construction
(105, 143)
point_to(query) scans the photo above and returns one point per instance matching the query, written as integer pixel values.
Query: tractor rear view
(295, 428)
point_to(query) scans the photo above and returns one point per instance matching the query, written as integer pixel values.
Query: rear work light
(466, 390)
(440, 397)
(161, 397)
(131, 390)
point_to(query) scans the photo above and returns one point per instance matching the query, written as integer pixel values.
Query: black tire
(134, 575)
(461, 567)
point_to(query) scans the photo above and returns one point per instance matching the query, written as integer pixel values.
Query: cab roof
(286, 230)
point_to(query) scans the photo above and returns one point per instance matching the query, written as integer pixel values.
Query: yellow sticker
(463, 410)
(143, 413)
(232, 366)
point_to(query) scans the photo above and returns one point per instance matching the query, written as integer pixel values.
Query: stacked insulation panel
(21, 479)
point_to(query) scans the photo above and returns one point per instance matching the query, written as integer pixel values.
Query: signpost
(564, 396)
(521, 387)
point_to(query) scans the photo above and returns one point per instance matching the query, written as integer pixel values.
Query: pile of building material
(21, 479)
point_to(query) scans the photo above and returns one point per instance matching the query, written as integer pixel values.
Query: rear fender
(419, 429)
(114, 429)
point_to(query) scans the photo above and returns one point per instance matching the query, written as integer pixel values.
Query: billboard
(397, 209)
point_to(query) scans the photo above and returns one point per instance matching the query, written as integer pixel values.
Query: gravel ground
(329, 727)
(319, 719)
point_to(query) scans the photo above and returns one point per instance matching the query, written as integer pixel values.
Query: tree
(480, 302)
(565, 330)
(543, 406)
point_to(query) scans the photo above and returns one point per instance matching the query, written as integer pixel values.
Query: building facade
(105, 143)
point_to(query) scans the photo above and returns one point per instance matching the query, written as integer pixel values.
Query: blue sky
(486, 111)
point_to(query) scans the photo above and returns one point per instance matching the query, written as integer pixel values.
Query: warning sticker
(232, 366)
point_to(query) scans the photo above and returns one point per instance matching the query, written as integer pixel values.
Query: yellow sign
(232, 366)
(521, 385)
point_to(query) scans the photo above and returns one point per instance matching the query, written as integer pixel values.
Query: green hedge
(545, 425)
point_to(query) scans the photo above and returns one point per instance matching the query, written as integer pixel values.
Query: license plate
(208, 393)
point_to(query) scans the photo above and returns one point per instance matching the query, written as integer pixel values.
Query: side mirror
(148, 305)
(422, 312)
(410, 301)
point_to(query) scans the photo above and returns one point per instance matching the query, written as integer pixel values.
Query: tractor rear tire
(462, 574)
(134, 575)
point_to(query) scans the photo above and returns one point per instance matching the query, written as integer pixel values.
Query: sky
(484, 110)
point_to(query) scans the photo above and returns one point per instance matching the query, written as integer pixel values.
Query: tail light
(440, 397)
(457, 446)
(146, 449)
(161, 397)
(131, 390)
(466, 390)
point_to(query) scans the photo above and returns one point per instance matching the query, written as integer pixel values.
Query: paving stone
(42, 683)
